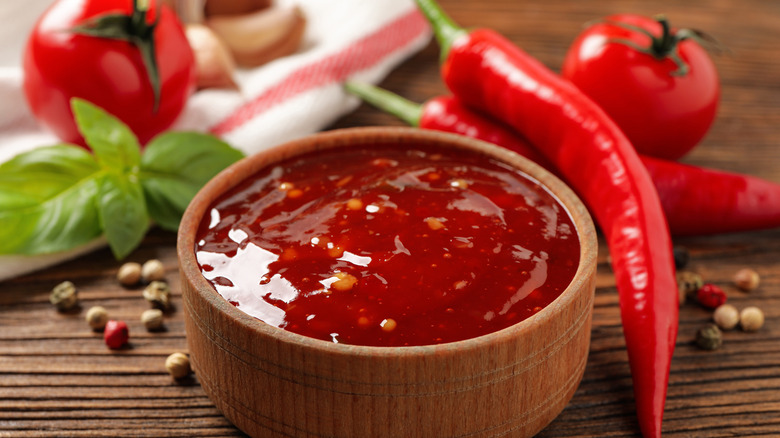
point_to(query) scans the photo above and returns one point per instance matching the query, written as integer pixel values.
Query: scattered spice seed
(726, 316)
(158, 294)
(354, 204)
(345, 281)
(711, 296)
(64, 296)
(681, 257)
(152, 270)
(97, 317)
(751, 319)
(116, 334)
(434, 223)
(152, 319)
(129, 274)
(689, 283)
(709, 337)
(388, 325)
(178, 365)
(746, 279)
(294, 193)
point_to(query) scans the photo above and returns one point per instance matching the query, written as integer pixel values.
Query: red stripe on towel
(360, 55)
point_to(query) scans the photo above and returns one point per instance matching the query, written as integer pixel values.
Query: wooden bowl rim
(237, 172)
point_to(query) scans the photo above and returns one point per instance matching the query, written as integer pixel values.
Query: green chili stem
(404, 109)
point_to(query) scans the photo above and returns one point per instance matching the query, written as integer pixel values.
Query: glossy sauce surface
(389, 246)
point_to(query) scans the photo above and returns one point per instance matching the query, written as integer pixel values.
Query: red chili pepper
(700, 201)
(696, 200)
(447, 114)
(489, 73)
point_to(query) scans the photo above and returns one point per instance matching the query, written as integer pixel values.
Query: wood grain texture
(57, 379)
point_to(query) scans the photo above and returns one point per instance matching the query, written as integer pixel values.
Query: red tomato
(60, 64)
(664, 111)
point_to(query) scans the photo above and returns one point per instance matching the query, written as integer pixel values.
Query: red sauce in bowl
(389, 246)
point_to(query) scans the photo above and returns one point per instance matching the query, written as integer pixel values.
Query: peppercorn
(751, 319)
(152, 319)
(97, 317)
(129, 274)
(64, 296)
(688, 283)
(681, 257)
(746, 279)
(152, 270)
(116, 334)
(709, 337)
(711, 296)
(178, 365)
(158, 294)
(726, 316)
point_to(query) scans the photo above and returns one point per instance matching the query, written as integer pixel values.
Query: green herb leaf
(113, 143)
(123, 214)
(60, 197)
(175, 166)
(47, 200)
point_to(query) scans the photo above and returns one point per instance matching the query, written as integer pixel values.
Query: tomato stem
(134, 29)
(663, 47)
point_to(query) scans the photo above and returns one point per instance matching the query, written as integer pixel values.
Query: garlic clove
(262, 36)
(235, 7)
(214, 63)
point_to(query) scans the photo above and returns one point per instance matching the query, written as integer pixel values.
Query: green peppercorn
(158, 294)
(64, 296)
(689, 283)
(709, 337)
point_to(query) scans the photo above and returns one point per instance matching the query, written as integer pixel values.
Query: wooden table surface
(57, 378)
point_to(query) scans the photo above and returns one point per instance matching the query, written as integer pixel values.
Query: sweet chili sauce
(389, 246)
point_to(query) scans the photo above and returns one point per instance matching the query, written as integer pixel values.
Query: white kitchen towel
(288, 98)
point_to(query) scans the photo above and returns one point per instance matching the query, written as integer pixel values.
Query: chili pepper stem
(445, 29)
(404, 109)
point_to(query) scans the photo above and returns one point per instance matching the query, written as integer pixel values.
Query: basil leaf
(47, 200)
(123, 214)
(113, 143)
(175, 166)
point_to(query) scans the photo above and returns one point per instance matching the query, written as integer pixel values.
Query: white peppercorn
(97, 317)
(726, 316)
(152, 319)
(129, 274)
(152, 270)
(751, 319)
(158, 294)
(64, 296)
(746, 279)
(178, 365)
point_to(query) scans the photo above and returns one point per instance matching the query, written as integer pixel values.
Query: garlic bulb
(261, 36)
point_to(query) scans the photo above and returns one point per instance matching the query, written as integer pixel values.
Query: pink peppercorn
(711, 296)
(116, 334)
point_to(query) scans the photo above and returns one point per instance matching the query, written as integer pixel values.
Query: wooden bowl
(271, 382)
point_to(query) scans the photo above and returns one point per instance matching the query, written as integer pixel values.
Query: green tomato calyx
(134, 29)
(667, 44)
